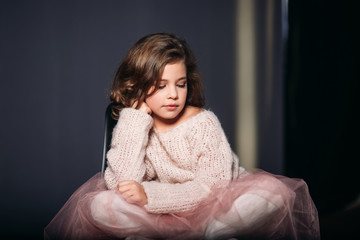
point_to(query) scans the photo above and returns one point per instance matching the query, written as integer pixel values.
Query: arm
(212, 167)
(126, 156)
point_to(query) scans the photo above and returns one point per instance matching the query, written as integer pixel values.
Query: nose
(172, 92)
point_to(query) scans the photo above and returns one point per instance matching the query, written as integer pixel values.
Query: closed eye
(181, 85)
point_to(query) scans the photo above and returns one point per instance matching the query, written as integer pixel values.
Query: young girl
(171, 173)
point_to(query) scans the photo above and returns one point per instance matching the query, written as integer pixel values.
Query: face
(169, 100)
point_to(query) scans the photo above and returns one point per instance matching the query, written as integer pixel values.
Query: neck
(163, 125)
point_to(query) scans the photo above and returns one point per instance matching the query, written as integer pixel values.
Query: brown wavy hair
(143, 66)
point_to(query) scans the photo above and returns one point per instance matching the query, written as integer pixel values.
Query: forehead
(174, 71)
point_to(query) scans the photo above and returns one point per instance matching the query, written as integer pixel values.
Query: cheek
(153, 101)
(184, 94)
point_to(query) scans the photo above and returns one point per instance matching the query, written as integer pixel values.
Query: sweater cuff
(135, 119)
(150, 193)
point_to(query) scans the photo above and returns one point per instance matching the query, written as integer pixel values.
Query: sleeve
(212, 168)
(126, 155)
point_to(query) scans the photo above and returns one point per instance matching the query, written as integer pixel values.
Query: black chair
(109, 125)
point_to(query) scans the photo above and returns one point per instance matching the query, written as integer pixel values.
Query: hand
(133, 192)
(142, 107)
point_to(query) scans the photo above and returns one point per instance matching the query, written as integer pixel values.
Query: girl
(171, 173)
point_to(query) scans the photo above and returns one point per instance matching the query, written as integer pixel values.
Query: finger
(136, 199)
(125, 182)
(135, 104)
(131, 188)
(126, 195)
(130, 200)
(130, 197)
(145, 108)
(124, 187)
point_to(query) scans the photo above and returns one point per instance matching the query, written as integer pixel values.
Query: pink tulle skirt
(257, 205)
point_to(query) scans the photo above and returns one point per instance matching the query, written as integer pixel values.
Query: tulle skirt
(256, 205)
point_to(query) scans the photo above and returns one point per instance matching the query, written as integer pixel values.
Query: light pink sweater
(177, 168)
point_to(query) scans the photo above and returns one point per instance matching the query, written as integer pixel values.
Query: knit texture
(177, 168)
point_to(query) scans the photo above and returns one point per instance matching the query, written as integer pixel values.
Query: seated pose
(171, 172)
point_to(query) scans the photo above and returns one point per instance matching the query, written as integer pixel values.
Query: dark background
(322, 110)
(57, 60)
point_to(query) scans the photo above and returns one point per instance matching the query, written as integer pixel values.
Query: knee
(274, 190)
(269, 182)
(98, 207)
(110, 209)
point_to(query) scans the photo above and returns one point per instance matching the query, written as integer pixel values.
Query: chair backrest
(109, 125)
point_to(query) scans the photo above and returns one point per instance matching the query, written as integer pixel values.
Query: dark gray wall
(57, 59)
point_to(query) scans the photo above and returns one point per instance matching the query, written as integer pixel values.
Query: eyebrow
(180, 79)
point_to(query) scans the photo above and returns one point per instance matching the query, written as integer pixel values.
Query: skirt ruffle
(257, 205)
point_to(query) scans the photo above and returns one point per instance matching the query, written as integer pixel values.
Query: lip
(171, 107)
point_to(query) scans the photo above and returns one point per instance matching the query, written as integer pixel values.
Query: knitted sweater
(177, 168)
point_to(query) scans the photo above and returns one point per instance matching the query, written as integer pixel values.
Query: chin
(168, 115)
